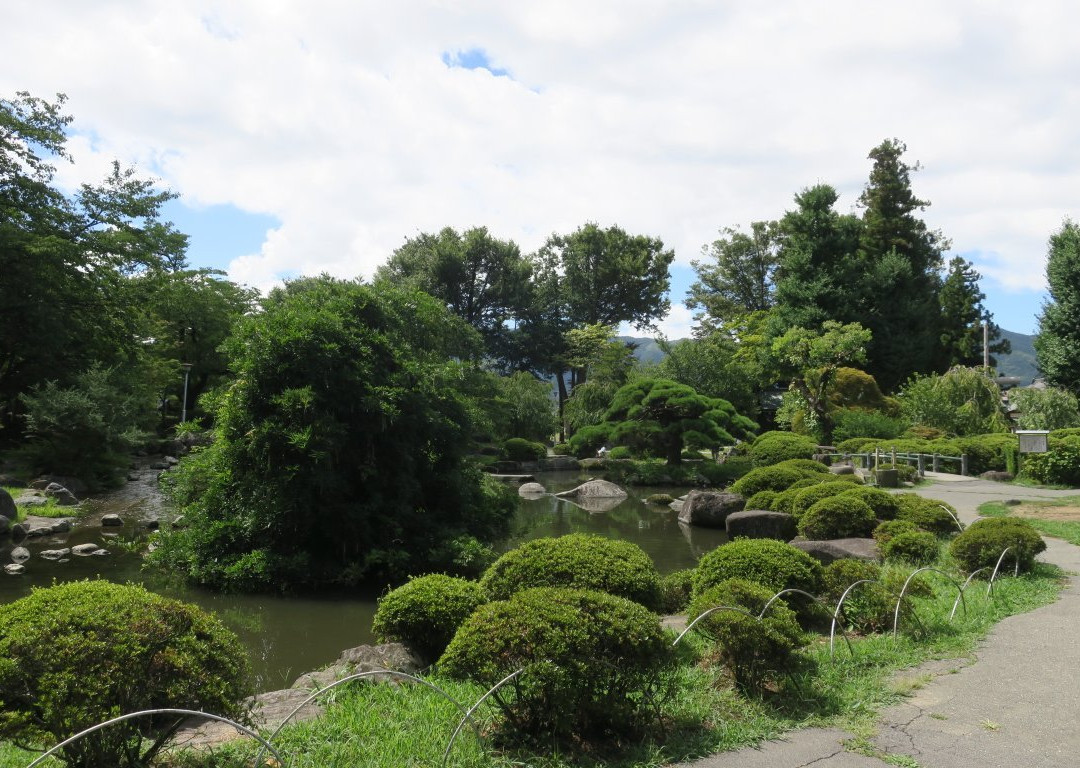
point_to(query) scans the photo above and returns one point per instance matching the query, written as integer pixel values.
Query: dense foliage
(76, 654)
(1057, 344)
(340, 447)
(591, 661)
(837, 517)
(426, 611)
(982, 542)
(774, 447)
(577, 560)
(772, 564)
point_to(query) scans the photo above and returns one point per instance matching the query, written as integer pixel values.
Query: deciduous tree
(1057, 344)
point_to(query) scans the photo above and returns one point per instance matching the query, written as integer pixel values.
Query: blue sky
(316, 137)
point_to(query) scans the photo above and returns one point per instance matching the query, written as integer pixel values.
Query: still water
(287, 636)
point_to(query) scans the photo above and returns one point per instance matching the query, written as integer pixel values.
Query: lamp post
(183, 407)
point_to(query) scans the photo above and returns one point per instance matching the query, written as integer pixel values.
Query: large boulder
(5, 525)
(531, 490)
(63, 496)
(7, 506)
(710, 509)
(760, 524)
(839, 549)
(594, 489)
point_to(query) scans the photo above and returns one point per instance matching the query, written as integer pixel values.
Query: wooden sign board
(1033, 440)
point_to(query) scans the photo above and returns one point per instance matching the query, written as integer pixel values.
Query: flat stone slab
(840, 549)
(761, 524)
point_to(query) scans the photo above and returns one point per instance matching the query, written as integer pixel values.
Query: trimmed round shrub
(773, 564)
(425, 612)
(591, 660)
(76, 654)
(761, 500)
(982, 542)
(753, 650)
(785, 500)
(805, 465)
(837, 517)
(675, 589)
(915, 547)
(931, 515)
(884, 505)
(774, 447)
(811, 495)
(855, 444)
(890, 528)
(869, 607)
(561, 449)
(577, 560)
(520, 449)
(767, 479)
(620, 452)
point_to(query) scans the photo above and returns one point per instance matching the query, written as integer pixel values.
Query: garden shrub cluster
(76, 654)
(869, 606)
(931, 515)
(751, 649)
(520, 449)
(837, 517)
(425, 612)
(982, 542)
(590, 657)
(577, 560)
(773, 447)
(915, 547)
(773, 564)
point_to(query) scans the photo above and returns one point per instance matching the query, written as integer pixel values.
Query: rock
(364, 658)
(677, 505)
(18, 532)
(20, 554)
(5, 525)
(595, 503)
(55, 554)
(31, 500)
(84, 550)
(72, 484)
(842, 469)
(7, 506)
(111, 521)
(99, 552)
(14, 569)
(63, 496)
(153, 525)
(62, 525)
(1000, 477)
(273, 707)
(132, 477)
(594, 489)
(761, 524)
(170, 461)
(709, 509)
(531, 489)
(840, 549)
(560, 464)
(158, 465)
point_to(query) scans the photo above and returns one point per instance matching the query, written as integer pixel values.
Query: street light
(183, 407)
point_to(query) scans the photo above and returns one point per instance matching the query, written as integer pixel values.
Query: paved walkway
(1018, 704)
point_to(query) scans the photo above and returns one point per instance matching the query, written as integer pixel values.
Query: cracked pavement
(1017, 703)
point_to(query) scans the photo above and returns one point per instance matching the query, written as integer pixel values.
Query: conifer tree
(1057, 344)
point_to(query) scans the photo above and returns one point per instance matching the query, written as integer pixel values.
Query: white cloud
(674, 119)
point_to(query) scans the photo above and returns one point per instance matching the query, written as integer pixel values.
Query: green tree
(340, 448)
(523, 406)
(1048, 408)
(712, 366)
(901, 260)
(482, 280)
(810, 360)
(961, 401)
(818, 277)
(962, 317)
(736, 277)
(662, 417)
(1057, 343)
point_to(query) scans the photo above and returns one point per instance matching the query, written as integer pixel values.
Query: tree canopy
(1057, 344)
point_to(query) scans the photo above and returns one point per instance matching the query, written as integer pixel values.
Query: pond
(287, 636)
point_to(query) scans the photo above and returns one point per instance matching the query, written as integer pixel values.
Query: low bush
(591, 661)
(1059, 466)
(837, 517)
(520, 449)
(774, 447)
(885, 506)
(931, 515)
(905, 473)
(810, 495)
(773, 564)
(425, 612)
(767, 479)
(753, 650)
(914, 547)
(675, 590)
(561, 449)
(761, 500)
(76, 654)
(577, 560)
(785, 500)
(869, 607)
(620, 452)
(805, 465)
(981, 544)
(884, 533)
(856, 423)
(855, 444)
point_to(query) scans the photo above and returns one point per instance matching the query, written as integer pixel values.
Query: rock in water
(594, 489)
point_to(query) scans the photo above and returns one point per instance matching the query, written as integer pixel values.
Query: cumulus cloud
(358, 124)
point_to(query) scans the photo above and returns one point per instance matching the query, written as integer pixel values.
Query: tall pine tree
(902, 260)
(962, 317)
(1057, 344)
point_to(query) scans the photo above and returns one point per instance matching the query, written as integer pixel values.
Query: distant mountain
(1019, 363)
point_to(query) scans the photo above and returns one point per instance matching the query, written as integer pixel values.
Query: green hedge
(837, 517)
(577, 560)
(425, 612)
(773, 564)
(592, 662)
(915, 547)
(982, 542)
(773, 447)
(928, 514)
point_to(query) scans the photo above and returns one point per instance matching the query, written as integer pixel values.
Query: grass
(1068, 530)
(49, 509)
